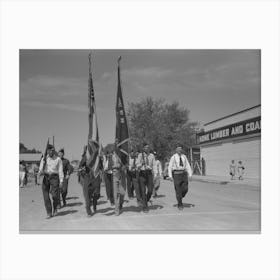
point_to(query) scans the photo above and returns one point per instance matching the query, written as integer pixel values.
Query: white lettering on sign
(237, 130)
(204, 138)
(220, 134)
(253, 126)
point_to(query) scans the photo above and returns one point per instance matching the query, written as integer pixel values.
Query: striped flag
(93, 147)
(122, 135)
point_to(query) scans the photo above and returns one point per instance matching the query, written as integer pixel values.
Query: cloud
(76, 108)
(40, 86)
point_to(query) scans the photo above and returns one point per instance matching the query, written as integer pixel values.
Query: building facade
(233, 137)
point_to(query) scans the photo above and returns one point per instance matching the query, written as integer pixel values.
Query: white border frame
(157, 24)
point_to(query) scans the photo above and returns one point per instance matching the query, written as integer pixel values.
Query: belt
(179, 171)
(51, 174)
(146, 170)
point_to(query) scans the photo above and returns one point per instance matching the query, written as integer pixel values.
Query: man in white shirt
(179, 171)
(52, 170)
(118, 169)
(108, 177)
(145, 163)
(134, 173)
(157, 175)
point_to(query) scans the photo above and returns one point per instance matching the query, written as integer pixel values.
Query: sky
(54, 88)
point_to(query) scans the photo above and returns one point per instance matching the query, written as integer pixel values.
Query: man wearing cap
(52, 169)
(145, 164)
(67, 170)
(179, 171)
(89, 183)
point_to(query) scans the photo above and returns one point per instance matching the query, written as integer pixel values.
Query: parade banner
(122, 135)
(248, 127)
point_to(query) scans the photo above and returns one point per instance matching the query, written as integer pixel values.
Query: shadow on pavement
(159, 196)
(74, 204)
(101, 202)
(63, 213)
(105, 210)
(132, 209)
(72, 197)
(187, 205)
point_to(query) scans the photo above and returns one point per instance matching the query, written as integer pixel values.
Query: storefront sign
(248, 127)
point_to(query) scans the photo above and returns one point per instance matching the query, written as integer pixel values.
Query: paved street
(208, 207)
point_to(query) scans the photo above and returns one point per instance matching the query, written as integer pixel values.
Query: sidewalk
(226, 180)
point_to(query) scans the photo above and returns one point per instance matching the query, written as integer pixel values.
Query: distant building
(30, 159)
(233, 137)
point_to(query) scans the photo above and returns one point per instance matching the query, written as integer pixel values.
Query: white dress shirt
(53, 166)
(145, 161)
(132, 163)
(158, 169)
(174, 164)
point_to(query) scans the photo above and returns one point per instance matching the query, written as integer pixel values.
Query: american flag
(93, 147)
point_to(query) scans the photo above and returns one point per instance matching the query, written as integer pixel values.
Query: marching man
(52, 169)
(179, 171)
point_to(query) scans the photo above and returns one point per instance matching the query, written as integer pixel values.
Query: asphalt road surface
(209, 207)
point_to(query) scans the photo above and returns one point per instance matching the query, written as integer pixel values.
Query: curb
(223, 182)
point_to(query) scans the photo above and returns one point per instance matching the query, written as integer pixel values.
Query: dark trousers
(130, 185)
(109, 186)
(36, 178)
(146, 182)
(181, 183)
(64, 190)
(136, 185)
(91, 190)
(50, 185)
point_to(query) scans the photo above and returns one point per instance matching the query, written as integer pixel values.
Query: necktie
(110, 163)
(147, 162)
(134, 161)
(181, 161)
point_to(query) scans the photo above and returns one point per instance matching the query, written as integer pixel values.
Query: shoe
(58, 206)
(180, 207)
(145, 209)
(117, 213)
(121, 206)
(49, 216)
(54, 212)
(139, 204)
(112, 204)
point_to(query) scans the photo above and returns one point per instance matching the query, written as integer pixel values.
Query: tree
(24, 150)
(161, 125)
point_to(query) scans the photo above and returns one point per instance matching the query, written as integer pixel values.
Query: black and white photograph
(140, 140)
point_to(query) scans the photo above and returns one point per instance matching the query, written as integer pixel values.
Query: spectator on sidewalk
(22, 170)
(157, 175)
(232, 170)
(240, 170)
